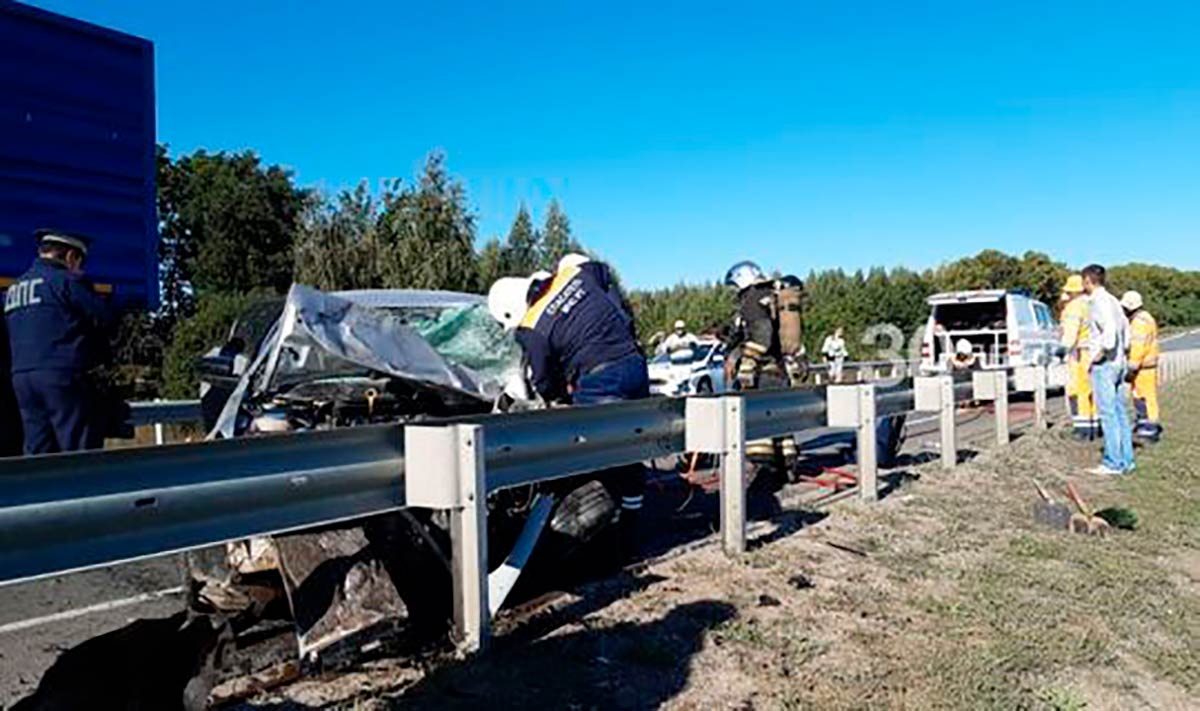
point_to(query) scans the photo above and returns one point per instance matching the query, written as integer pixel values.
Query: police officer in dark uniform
(580, 348)
(58, 332)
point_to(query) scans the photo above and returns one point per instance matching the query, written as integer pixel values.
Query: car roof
(977, 296)
(409, 298)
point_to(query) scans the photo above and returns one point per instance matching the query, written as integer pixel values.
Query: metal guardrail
(72, 511)
(1173, 365)
(164, 412)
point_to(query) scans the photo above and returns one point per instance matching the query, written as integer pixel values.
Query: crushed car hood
(460, 353)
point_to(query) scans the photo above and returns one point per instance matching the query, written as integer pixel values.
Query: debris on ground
(765, 600)
(800, 581)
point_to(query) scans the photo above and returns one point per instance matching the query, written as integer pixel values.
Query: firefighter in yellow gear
(1143, 366)
(1074, 339)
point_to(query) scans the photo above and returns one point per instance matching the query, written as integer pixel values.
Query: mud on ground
(945, 595)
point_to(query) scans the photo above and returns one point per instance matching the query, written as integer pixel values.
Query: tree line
(234, 230)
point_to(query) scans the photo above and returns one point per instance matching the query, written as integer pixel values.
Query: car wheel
(704, 386)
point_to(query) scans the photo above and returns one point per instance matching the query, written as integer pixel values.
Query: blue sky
(683, 137)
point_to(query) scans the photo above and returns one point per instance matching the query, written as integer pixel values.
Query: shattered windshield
(465, 335)
(468, 336)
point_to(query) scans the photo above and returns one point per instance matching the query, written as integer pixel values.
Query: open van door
(979, 317)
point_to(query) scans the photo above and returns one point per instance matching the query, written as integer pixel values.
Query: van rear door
(979, 317)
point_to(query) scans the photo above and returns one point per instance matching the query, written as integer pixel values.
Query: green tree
(227, 223)
(491, 262)
(990, 269)
(1042, 276)
(340, 244)
(430, 233)
(522, 251)
(1171, 295)
(208, 327)
(706, 308)
(556, 236)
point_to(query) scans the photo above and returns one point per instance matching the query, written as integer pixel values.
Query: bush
(193, 337)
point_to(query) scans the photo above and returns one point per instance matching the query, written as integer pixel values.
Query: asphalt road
(41, 618)
(1181, 342)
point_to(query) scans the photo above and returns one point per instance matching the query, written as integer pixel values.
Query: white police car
(690, 371)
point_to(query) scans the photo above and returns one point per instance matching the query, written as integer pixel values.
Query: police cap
(67, 239)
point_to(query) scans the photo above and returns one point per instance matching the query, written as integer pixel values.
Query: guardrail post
(1034, 379)
(854, 406)
(718, 426)
(1001, 391)
(947, 422)
(992, 386)
(868, 469)
(159, 433)
(935, 393)
(444, 468)
(1039, 396)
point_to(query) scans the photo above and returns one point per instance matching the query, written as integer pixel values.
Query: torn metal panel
(337, 586)
(253, 555)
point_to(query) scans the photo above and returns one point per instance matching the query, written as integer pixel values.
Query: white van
(1003, 328)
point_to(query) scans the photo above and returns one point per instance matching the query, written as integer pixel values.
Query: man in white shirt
(834, 351)
(1108, 342)
(679, 341)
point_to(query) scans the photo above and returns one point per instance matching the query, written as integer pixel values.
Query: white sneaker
(1104, 471)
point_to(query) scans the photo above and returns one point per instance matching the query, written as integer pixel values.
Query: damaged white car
(354, 358)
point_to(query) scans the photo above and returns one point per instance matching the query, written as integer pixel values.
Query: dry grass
(961, 601)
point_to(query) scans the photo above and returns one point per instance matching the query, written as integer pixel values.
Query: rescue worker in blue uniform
(58, 333)
(581, 349)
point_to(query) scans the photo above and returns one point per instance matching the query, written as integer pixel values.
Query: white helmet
(963, 347)
(1131, 301)
(574, 259)
(744, 274)
(680, 325)
(508, 300)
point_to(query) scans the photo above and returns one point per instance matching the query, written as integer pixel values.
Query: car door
(716, 368)
(1047, 331)
(1023, 330)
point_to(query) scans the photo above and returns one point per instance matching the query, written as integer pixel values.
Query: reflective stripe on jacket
(1143, 343)
(1075, 327)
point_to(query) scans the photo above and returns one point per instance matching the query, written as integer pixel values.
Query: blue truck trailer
(77, 147)
(77, 153)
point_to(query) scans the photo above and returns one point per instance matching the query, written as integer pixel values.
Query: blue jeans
(624, 379)
(1114, 417)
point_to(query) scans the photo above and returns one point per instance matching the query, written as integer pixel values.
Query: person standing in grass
(1108, 343)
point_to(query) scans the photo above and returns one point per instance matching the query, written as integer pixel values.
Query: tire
(584, 512)
(704, 386)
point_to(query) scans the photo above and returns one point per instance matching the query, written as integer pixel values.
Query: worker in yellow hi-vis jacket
(1143, 366)
(1074, 338)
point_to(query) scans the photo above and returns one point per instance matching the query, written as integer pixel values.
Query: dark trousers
(58, 412)
(623, 379)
